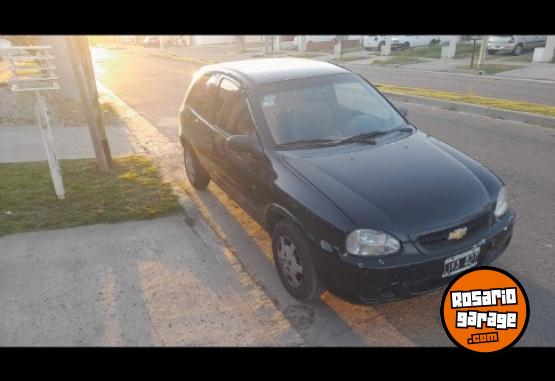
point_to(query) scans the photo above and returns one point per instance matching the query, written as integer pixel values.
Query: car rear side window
(202, 96)
(231, 112)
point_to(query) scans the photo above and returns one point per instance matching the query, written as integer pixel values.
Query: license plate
(460, 262)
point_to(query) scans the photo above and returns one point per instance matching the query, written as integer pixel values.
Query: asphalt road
(497, 87)
(522, 155)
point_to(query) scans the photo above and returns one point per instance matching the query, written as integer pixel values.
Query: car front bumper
(402, 276)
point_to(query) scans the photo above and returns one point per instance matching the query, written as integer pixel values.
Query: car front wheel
(195, 173)
(296, 268)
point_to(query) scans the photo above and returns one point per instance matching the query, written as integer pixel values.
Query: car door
(240, 170)
(197, 119)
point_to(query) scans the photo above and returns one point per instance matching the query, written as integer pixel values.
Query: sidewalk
(137, 283)
(19, 144)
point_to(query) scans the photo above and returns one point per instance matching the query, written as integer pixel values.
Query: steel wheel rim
(289, 262)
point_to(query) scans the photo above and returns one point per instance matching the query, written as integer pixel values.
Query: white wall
(223, 39)
(211, 40)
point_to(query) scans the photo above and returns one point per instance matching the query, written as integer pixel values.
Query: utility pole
(338, 47)
(82, 63)
(483, 48)
(265, 42)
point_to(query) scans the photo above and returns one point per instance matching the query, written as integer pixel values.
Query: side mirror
(243, 143)
(403, 111)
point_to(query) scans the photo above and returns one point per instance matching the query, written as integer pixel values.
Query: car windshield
(326, 109)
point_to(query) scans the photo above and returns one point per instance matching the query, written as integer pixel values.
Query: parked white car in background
(514, 44)
(401, 42)
(312, 38)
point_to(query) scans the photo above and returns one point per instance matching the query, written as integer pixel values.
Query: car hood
(403, 187)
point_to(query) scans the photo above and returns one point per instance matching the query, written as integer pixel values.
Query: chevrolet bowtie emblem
(457, 233)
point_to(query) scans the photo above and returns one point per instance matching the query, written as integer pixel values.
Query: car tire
(406, 45)
(517, 51)
(291, 252)
(197, 175)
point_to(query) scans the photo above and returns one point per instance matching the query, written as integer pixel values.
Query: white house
(200, 40)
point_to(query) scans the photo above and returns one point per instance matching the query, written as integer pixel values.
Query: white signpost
(32, 70)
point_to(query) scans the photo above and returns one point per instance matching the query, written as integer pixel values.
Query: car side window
(202, 96)
(231, 112)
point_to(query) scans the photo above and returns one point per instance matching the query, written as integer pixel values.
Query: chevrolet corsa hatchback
(356, 199)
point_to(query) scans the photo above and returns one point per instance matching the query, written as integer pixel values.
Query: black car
(356, 199)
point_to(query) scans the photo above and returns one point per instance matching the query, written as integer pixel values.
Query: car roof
(265, 70)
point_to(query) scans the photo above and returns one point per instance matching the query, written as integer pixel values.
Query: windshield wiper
(308, 143)
(369, 137)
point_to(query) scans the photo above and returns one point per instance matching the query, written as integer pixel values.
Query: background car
(312, 38)
(514, 44)
(400, 42)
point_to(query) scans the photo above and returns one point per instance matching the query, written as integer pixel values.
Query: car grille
(439, 240)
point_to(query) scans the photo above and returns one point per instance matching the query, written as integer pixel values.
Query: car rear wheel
(517, 50)
(293, 260)
(197, 175)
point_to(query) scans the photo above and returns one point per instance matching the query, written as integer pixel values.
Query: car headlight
(367, 242)
(502, 203)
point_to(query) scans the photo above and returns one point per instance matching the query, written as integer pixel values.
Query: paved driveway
(135, 284)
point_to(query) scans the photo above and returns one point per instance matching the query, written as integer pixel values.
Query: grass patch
(355, 48)
(187, 59)
(431, 51)
(398, 60)
(505, 104)
(132, 191)
(109, 111)
(306, 54)
(521, 58)
(350, 58)
(464, 49)
(491, 68)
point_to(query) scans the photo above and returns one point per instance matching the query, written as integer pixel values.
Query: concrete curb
(524, 117)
